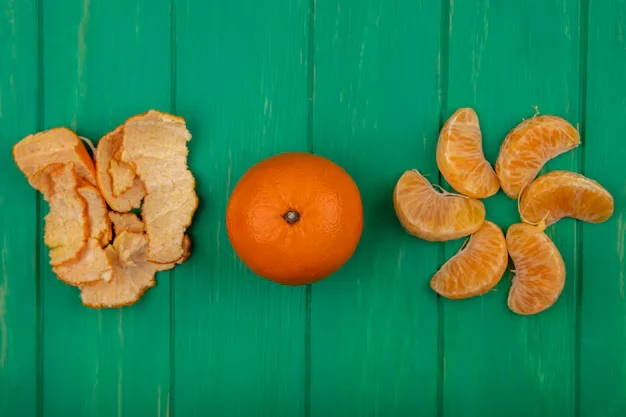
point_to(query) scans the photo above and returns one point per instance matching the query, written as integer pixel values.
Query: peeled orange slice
(476, 268)
(561, 194)
(528, 147)
(430, 215)
(460, 156)
(539, 269)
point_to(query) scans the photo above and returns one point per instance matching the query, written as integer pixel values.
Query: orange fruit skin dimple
(475, 269)
(539, 269)
(460, 156)
(430, 215)
(326, 225)
(528, 147)
(560, 194)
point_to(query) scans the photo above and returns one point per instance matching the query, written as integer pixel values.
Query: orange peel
(131, 198)
(155, 145)
(66, 226)
(59, 145)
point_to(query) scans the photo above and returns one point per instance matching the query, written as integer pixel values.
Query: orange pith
(295, 218)
(460, 156)
(528, 147)
(539, 269)
(430, 215)
(475, 269)
(560, 194)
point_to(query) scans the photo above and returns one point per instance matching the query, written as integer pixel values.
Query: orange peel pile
(479, 265)
(95, 242)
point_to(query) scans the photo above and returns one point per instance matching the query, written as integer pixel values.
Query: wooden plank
(375, 112)
(603, 334)
(241, 82)
(19, 76)
(505, 58)
(103, 62)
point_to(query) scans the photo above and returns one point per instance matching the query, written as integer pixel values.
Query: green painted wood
(104, 61)
(603, 314)
(242, 85)
(375, 112)
(366, 83)
(18, 227)
(505, 58)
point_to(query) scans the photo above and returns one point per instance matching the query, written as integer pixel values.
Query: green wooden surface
(20, 348)
(241, 80)
(376, 112)
(110, 361)
(366, 83)
(505, 58)
(603, 308)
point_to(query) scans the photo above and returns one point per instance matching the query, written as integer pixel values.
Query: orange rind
(91, 265)
(66, 226)
(85, 198)
(155, 145)
(126, 222)
(98, 216)
(131, 198)
(132, 275)
(54, 146)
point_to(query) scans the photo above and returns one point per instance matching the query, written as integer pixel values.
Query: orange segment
(539, 268)
(430, 215)
(460, 156)
(475, 269)
(528, 147)
(561, 194)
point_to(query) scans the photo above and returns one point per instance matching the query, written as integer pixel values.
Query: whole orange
(295, 218)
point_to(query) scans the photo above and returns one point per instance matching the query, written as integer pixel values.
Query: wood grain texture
(603, 314)
(505, 58)
(242, 84)
(18, 225)
(375, 112)
(103, 62)
(367, 84)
